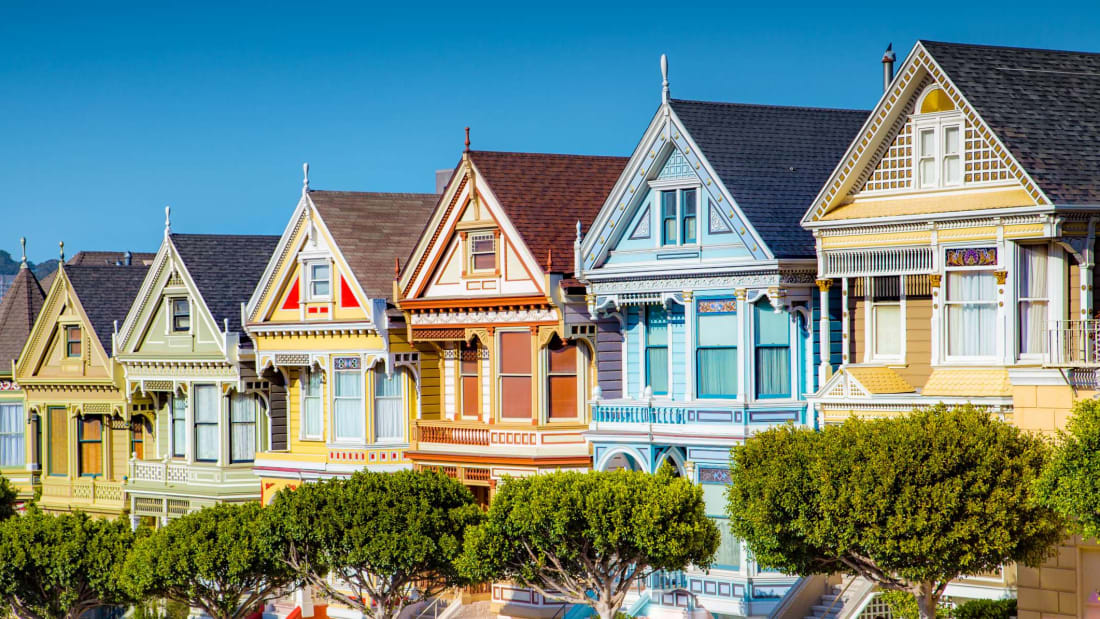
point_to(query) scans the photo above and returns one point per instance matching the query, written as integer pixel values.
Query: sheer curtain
(971, 313)
(1033, 299)
(348, 405)
(656, 350)
(179, 426)
(206, 422)
(242, 434)
(716, 355)
(773, 352)
(387, 406)
(311, 404)
(11, 434)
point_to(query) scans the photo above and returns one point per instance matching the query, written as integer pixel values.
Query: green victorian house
(182, 347)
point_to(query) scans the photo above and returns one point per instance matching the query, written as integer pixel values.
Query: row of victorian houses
(745, 266)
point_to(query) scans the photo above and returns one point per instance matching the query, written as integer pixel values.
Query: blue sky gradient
(109, 113)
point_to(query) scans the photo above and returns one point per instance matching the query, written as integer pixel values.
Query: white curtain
(1033, 298)
(179, 426)
(11, 434)
(887, 325)
(388, 406)
(242, 434)
(311, 404)
(971, 313)
(206, 422)
(348, 405)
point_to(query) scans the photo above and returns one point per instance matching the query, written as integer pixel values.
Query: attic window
(72, 341)
(483, 251)
(935, 99)
(181, 315)
(320, 280)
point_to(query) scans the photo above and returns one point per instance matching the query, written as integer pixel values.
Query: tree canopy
(384, 535)
(586, 538)
(8, 499)
(214, 559)
(59, 567)
(910, 502)
(1070, 484)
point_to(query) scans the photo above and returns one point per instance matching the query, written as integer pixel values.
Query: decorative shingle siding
(609, 357)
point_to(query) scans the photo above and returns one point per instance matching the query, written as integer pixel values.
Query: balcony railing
(451, 433)
(83, 492)
(639, 414)
(1075, 343)
(167, 472)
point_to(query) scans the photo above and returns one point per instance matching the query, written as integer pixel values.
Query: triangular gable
(279, 296)
(440, 265)
(146, 327)
(879, 161)
(666, 153)
(44, 355)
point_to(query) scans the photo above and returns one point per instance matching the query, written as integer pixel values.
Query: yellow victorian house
(18, 309)
(74, 387)
(323, 327)
(956, 250)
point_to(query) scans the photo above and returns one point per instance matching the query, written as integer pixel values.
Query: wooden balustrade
(451, 433)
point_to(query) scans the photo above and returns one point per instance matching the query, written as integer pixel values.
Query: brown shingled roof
(371, 229)
(105, 258)
(546, 195)
(18, 310)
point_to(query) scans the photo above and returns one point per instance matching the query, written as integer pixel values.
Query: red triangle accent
(347, 299)
(292, 298)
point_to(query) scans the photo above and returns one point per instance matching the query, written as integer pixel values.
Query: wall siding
(918, 341)
(609, 357)
(278, 403)
(677, 349)
(633, 354)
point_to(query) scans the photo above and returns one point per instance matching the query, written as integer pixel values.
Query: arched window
(935, 99)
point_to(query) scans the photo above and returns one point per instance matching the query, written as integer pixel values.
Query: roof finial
(579, 231)
(664, 78)
(550, 259)
(61, 245)
(23, 243)
(467, 140)
(305, 177)
(396, 267)
(167, 219)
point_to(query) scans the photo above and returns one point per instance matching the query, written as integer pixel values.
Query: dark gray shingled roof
(226, 269)
(106, 292)
(18, 310)
(772, 159)
(1043, 104)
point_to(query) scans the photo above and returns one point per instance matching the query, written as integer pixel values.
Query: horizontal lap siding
(676, 351)
(918, 341)
(633, 354)
(609, 357)
(278, 417)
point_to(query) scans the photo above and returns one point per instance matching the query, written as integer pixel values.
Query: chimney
(128, 258)
(888, 67)
(441, 178)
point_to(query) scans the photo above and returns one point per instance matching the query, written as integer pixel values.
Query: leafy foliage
(986, 609)
(1070, 484)
(62, 566)
(383, 534)
(590, 536)
(214, 559)
(904, 606)
(910, 502)
(8, 496)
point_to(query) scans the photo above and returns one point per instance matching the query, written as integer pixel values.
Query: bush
(904, 606)
(986, 609)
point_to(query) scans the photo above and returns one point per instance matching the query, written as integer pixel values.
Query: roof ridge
(217, 235)
(531, 154)
(373, 193)
(1008, 47)
(772, 106)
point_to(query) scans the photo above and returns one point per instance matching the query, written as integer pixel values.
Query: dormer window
(938, 129)
(72, 341)
(320, 281)
(482, 251)
(678, 216)
(181, 316)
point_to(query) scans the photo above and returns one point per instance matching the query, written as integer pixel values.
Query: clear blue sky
(108, 114)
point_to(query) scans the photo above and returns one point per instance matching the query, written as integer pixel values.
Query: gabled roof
(225, 269)
(105, 293)
(106, 258)
(544, 196)
(18, 310)
(1043, 104)
(772, 159)
(371, 229)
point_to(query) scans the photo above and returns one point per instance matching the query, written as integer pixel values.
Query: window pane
(887, 329)
(59, 441)
(388, 419)
(348, 384)
(668, 217)
(656, 365)
(927, 172)
(773, 371)
(312, 411)
(387, 386)
(688, 208)
(729, 547)
(563, 357)
(12, 425)
(1033, 271)
(718, 330)
(515, 397)
(484, 262)
(482, 244)
(927, 143)
(206, 404)
(349, 419)
(971, 328)
(91, 428)
(90, 437)
(668, 203)
(242, 435)
(563, 397)
(656, 322)
(952, 170)
(469, 396)
(950, 140)
(716, 369)
(1033, 326)
(179, 426)
(771, 326)
(515, 352)
(975, 286)
(206, 442)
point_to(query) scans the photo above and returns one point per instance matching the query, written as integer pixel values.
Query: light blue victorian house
(703, 285)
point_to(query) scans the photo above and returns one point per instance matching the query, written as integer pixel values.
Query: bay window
(348, 401)
(205, 401)
(179, 426)
(12, 426)
(971, 314)
(243, 415)
(717, 337)
(388, 406)
(515, 375)
(1033, 299)
(773, 352)
(561, 380)
(656, 349)
(89, 437)
(311, 404)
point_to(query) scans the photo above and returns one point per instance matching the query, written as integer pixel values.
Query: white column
(824, 368)
(689, 345)
(844, 334)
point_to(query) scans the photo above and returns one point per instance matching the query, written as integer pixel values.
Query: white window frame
(192, 403)
(870, 354)
(16, 408)
(309, 281)
(258, 412)
(1051, 280)
(657, 209)
(938, 123)
(945, 320)
(303, 384)
(397, 375)
(493, 236)
(355, 440)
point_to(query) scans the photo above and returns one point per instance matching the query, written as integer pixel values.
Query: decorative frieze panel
(347, 363)
(882, 261)
(485, 317)
(971, 257)
(643, 285)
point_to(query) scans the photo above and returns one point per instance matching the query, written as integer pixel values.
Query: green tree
(8, 498)
(385, 535)
(586, 538)
(910, 502)
(55, 567)
(214, 559)
(1070, 484)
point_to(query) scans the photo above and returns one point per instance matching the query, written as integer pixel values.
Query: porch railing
(639, 414)
(1075, 343)
(451, 433)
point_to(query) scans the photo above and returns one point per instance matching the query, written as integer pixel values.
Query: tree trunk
(604, 609)
(926, 603)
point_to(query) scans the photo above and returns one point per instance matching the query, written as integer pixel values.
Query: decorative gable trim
(876, 137)
(45, 325)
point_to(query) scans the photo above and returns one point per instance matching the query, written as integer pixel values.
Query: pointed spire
(664, 78)
(61, 246)
(550, 259)
(23, 243)
(396, 267)
(467, 140)
(305, 178)
(167, 220)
